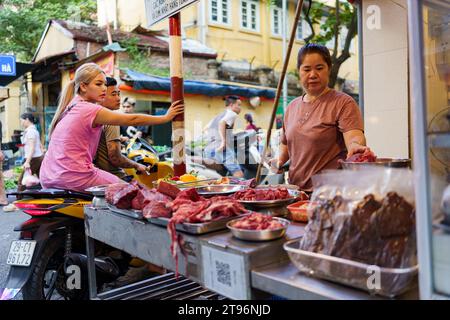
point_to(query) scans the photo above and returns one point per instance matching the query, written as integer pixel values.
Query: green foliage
(18, 170)
(10, 184)
(22, 22)
(329, 25)
(139, 59)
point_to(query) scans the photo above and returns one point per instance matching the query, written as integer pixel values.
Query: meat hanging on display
(190, 207)
(257, 221)
(262, 194)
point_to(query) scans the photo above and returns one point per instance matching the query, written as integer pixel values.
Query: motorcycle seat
(53, 193)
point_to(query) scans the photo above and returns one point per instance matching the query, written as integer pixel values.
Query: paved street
(8, 220)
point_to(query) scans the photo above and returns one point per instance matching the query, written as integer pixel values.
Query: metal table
(218, 261)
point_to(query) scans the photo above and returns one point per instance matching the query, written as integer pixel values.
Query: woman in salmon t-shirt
(322, 126)
(76, 128)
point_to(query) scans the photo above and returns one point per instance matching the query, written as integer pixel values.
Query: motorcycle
(248, 152)
(51, 249)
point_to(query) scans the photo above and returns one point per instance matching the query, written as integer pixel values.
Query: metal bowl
(259, 235)
(98, 191)
(219, 190)
(263, 204)
(380, 162)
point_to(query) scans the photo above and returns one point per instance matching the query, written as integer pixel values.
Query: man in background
(130, 132)
(109, 156)
(219, 136)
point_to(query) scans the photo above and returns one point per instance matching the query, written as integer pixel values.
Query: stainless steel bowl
(98, 191)
(381, 162)
(264, 204)
(259, 235)
(219, 189)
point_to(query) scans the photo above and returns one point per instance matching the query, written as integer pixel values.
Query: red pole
(177, 93)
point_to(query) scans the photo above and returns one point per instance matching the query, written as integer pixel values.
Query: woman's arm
(105, 116)
(355, 141)
(31, 141)
(283, 156)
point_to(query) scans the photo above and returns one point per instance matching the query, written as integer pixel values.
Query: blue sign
(7, 65)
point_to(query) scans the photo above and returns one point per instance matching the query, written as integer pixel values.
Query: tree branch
(336, 30)
(352, 31)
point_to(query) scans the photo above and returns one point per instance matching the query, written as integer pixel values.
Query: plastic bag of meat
(364, 216)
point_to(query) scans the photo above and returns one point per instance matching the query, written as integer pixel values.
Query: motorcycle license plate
(21, 253)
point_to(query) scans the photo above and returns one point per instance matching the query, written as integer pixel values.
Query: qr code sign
(223, 273)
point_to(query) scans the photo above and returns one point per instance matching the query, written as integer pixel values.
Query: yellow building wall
(55, 42)
(232, 42)
(11, 118)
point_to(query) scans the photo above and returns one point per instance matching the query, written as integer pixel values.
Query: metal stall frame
(421, 163)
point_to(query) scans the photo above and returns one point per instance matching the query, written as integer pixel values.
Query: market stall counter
(218, 261)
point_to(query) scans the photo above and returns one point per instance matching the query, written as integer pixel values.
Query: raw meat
(157, 209)
(190, 207)
(145, 196)
(168, 189)
(262, 194)
(112, 189)
(257, 221)
(367, 156)
(122, 199)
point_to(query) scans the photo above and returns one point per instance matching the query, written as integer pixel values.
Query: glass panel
(214, 16)
(225, 11)
(299, 30)
(436, 43)
(253, 16)
(244, 14)
(276, 22)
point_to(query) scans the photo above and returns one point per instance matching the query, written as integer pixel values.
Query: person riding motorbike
(76, 128)
(219, 136)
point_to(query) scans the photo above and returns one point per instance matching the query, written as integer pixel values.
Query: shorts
(227, 158)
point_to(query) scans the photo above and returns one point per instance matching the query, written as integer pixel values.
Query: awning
(21, 69)
(143, 81)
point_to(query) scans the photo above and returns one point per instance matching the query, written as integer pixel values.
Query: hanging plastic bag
(29, 180)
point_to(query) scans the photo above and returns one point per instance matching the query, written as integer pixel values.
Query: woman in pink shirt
(76, 128)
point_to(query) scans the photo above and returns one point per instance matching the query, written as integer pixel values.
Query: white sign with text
(157, 10)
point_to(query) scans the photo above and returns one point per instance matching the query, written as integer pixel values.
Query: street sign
(157, 10)
(7, 65)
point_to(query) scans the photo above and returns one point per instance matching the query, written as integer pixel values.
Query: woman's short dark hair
(313, 48)
(248, 117)
(28, 116)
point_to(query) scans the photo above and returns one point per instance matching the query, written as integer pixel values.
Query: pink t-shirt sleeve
(350, 117)
(90, 111)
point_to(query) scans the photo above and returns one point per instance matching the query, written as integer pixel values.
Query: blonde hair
(84, 74)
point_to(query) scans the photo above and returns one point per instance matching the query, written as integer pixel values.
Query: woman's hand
(356, 148)
(275, 166)
(175, 109)
(26, 165)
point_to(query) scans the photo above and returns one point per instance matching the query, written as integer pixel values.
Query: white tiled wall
(386, 96)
